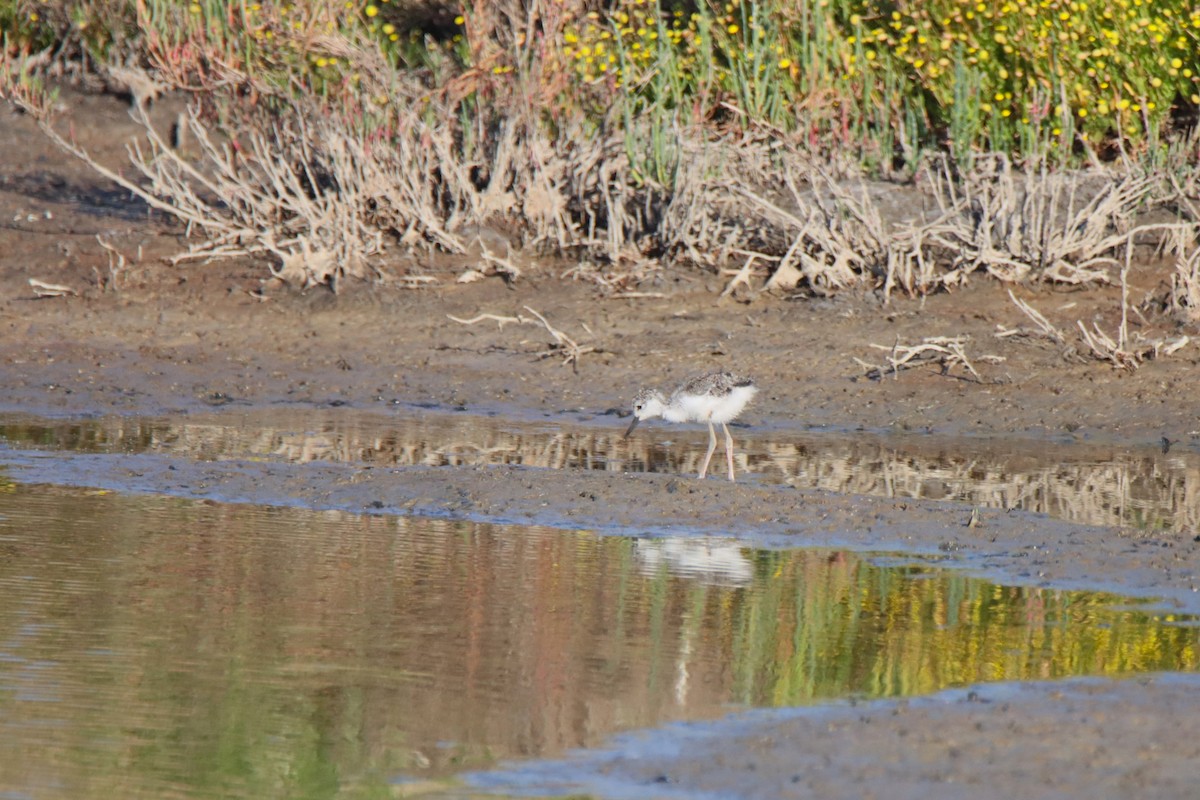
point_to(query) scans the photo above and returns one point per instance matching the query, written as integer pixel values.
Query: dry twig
(564, 345)
(43, 289)
(946, 351)
(116, 266)
(1045, 329)
(1124, 352)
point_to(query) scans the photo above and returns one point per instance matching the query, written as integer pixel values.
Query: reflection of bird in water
(712, 397)
(705, 560)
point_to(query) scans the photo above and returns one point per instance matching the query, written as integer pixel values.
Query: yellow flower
(733, 28)
(372, 10)
(784, 63)
(459, 20)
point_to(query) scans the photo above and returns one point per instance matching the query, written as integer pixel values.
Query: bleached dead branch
(1124, 352)
(570, 350)
(1129, 354)
(116, 267)
(1104, 348)
(945, 351)
(43, 289)
(1044, 328)
(1185, 285)
(502, 321)
(742, 276)
(564, 345)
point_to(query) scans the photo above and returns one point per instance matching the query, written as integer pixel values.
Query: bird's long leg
(712, 446)
(729, 450)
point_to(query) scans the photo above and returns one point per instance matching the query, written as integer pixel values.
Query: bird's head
(646, 404)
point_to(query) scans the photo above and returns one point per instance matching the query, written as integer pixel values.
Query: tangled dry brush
(322, 195)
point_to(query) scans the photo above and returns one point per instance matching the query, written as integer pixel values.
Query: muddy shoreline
(183, 341)
(1111, 739)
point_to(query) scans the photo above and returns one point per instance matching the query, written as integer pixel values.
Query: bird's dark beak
(632, 424)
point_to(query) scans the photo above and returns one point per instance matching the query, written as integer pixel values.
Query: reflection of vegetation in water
(153, 645)
(828, 626)
(1097, 486)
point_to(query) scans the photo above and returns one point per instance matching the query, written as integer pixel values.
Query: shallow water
(1085, 483)
(155, 646)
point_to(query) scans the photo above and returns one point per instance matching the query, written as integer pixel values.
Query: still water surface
(155, 647)
(1092, 484)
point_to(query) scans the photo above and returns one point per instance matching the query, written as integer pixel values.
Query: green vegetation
(1055, 78)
